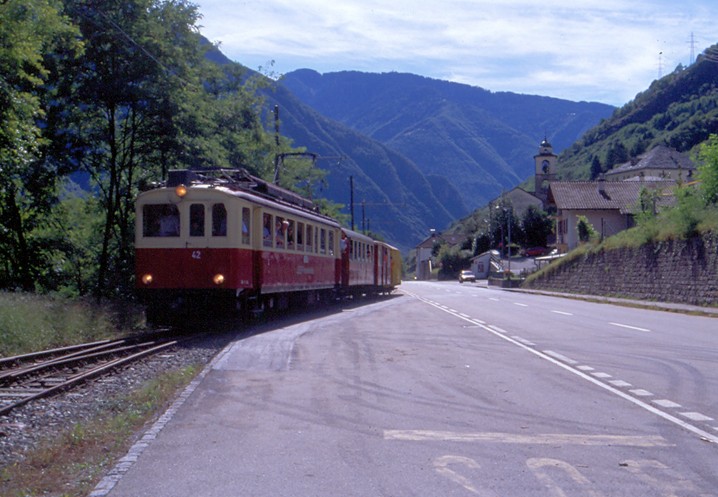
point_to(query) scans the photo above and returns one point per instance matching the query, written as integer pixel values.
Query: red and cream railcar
(232, 241)
(357, 263)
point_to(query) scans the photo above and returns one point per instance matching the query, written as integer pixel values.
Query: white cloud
(606, 50)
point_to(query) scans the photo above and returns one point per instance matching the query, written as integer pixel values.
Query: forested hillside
(477, 141)
(679, 110)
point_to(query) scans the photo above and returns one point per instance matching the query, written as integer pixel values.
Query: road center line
(563, 313)
(630, 327)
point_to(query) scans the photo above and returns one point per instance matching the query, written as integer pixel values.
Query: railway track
(41, 374)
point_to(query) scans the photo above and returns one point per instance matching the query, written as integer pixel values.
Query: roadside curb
(645, 304)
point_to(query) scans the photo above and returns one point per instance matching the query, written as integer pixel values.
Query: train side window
(290, 234)
(323, 241)
(219, 220)
(281, 231)
(196, 220)
(160, 220)
(300, 236)
(331, 243)
(267, 230)
(310, 238)
(246, 225)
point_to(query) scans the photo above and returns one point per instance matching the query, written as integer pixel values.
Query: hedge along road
(437, 391)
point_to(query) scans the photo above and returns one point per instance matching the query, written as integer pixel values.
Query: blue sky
(591, 50)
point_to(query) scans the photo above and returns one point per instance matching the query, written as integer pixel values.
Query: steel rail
(86, 376)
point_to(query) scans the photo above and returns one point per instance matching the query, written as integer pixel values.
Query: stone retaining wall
(682, 271)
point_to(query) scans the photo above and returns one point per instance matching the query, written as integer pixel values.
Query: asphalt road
(448, 390)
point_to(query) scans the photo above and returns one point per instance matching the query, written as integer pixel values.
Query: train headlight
(218, 279)
(181, 191)
(147, 278)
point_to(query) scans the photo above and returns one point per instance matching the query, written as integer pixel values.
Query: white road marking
(563, 313)
(630, 327)
(496, 328)
(696, 416)
(520, 304)
(585, 368)
(641, 392)
(539, 439)
(666, 403)
(524, 341)
(494, 299)
(560, 357)
(602, 375)
(620, 383)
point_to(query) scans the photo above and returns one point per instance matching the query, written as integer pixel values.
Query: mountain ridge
(482, 141)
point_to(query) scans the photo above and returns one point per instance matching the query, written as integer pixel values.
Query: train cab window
(160, 220)
(300, 236)
(310, 239)
(323, 241)
(267, 230)
(281, 232)
(196, 220)
(246, 225)
(290, 234)
(219, 220)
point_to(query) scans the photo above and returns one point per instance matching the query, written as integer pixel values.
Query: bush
(586, 231)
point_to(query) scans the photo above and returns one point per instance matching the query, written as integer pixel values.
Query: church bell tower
(545, 169)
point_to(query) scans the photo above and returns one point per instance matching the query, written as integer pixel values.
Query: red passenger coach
(228, 240)
(357, 263)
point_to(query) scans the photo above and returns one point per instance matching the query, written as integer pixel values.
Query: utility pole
(351, 199)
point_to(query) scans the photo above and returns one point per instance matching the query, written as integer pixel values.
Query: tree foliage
(111, 94)
(708, 169)
(586, 231)
(30, 30)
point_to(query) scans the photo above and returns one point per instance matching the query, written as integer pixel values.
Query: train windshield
(160, 220)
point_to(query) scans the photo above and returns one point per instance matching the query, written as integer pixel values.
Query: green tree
(452, 260)
(708, 169)
(536, 226)
(596, 168)
(30, 30)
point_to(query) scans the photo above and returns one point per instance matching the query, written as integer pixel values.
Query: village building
(660, 163)
(609, 206)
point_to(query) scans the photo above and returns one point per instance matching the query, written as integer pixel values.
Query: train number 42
(196, 254)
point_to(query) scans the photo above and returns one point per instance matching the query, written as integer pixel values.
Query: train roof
(239, 183)
(237, 180)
